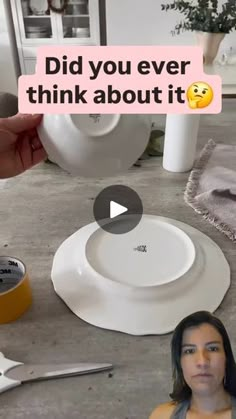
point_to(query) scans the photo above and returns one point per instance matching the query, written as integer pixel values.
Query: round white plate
(95, 124)
(94, 145)
(142, 282)
(126, 259)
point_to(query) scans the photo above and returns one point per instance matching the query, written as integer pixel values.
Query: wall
(141, 22)
(8, 81)
(130, 22)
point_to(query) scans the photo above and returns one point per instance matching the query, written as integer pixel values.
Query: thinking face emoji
(199, 95)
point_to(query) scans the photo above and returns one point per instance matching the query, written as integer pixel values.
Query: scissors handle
(6, 365)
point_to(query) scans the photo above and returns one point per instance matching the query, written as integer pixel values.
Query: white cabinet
(76, 22)
(30, 65)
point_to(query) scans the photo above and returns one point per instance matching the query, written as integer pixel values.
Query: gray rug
(211, 188)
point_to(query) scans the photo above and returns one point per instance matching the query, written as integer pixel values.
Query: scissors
(13, 373)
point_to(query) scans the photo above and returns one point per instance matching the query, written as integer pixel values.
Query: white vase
(210, 43)
(181, 136)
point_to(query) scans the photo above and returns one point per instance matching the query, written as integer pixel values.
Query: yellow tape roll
(15, 290)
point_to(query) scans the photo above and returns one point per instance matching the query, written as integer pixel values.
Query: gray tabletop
(38, 211)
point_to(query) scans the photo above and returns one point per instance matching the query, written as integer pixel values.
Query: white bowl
(38, 7)
(109, 281)
(94, 145)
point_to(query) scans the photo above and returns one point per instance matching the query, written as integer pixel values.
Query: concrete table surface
(38, 211)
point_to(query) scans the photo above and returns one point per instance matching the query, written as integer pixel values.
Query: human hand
(20, 146)
(193, 103)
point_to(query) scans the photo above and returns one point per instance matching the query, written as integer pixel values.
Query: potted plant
(207, 20)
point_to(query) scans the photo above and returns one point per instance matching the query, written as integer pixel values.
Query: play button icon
(118, 209)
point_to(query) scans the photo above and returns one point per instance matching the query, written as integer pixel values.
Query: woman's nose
(202, 357)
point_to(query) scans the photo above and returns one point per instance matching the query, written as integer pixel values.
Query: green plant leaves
(204, 16)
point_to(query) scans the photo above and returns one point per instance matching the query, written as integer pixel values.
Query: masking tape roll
(15, 290)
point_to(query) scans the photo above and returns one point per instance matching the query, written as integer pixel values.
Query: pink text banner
(120, 79)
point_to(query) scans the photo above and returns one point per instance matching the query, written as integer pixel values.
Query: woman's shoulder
(163, 411)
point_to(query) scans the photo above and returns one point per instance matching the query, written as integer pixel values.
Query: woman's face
(203, 359)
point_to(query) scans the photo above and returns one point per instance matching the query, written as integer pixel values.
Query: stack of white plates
(142, 282)
(37, 32)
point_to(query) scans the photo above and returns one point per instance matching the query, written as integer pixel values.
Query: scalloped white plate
(142, 282)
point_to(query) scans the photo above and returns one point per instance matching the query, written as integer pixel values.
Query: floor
(38, 211)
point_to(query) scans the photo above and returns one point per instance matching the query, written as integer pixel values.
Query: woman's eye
(213, 348)
(188, 351)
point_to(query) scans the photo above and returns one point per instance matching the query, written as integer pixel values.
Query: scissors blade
(27, 373)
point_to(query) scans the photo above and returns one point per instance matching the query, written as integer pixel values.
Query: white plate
(88, 125)
(127, 260)
(95, 145)
(106, 282)
(38, 35)
(35, 29)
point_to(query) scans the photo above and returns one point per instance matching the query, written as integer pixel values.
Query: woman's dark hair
(181, 391)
